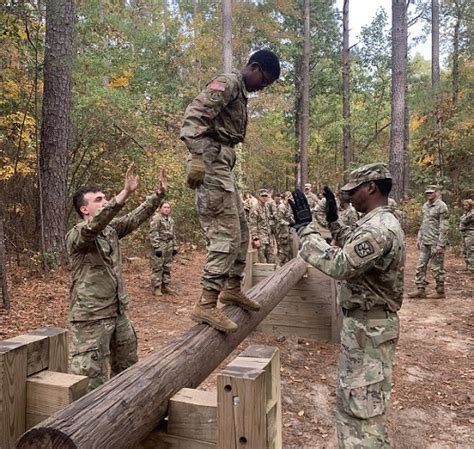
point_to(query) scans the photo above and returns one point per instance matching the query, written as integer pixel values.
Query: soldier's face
(431, 196)
(165, 209)
(263, 198)
(256, 78)
(358, 197)
(93, 202)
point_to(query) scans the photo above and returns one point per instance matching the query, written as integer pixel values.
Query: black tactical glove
(175, 251)
(158, 253)
(301, 210)
(331, 205)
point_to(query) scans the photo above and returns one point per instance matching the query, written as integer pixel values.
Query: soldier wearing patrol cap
(432, 240)
(370, 258)
(214, 122)
(310, 196)
(260, 224)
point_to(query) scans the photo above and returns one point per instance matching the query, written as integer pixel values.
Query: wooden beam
(123, 411)
(58, 347)
(162, 440)
(13, 363)
(48, 392)
(37, 351)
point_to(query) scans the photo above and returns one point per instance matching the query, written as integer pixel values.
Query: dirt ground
(432, 401)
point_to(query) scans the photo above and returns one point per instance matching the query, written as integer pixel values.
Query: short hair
(268, 61)
(165, 202)
(78, 198)
(277, 194)
(384, 185)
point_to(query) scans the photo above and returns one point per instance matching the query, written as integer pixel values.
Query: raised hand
(301, 210)
(131, 180)
(331, 205)
(163, 182)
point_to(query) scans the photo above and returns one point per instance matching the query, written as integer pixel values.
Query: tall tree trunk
(406, 140)
(56, 123)
(3, 270)
(397, 133)
(435, 45)
(304, 135)
(455, 71)
(346, 68)
(227, 35)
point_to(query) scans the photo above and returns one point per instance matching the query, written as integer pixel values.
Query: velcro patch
(217, 85)
(364, 249)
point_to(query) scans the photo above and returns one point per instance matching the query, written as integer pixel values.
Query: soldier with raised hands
(214, 122)
(369, 258)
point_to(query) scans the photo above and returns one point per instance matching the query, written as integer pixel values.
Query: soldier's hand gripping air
(331, 205)
(301, 210)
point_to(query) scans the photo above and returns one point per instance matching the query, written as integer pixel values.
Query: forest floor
(433, 395)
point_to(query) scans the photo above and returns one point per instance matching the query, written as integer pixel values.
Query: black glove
(301, 210)
(158, 253)
(331, 205)
(175, 251)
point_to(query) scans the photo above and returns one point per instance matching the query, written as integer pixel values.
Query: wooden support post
(58, 347)
(3, 270)
(48, 392)
(13, 363)
(124, 410)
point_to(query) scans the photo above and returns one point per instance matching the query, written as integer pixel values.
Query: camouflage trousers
(265, 253)
(283, 245)
(161, 266)
(467, 240)
(102, 348)
(222, 218)
(365, 381)
(427, 253)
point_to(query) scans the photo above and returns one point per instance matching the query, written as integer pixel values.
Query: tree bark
(56, 123)
(397, 131)
(227, 35)
(435, 45)
(455, 70)
(304, 135)
(128, 407)
(346, 111)
(3, 270)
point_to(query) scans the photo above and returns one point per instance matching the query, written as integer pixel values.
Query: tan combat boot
(419, 293)
(233, 295)
(167, 291)
(157, 292)
(438, 295)
(206, 311)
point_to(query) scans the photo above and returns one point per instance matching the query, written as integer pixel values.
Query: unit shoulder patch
(364, 249)
(218, 86)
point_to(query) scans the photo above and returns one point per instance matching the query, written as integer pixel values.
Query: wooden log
(48, 392)
(13, 362)
(124, 410)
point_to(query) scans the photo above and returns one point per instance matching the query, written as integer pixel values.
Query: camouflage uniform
(311, 197)
(466, 228)
(348, 216)
(433, 232)
(319, 217)
(370, 259)
(103, 339)
(162, 239)
(260, 223)
(284, 218)
(214, 122)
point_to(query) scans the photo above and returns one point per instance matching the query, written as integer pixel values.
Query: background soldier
(347, 214)
(284, 218)
(214, 122)
(260, 223)
(163, 249)
(466, 228)
(310, 196)
(431, 241)
(103, 340)
(370, 258)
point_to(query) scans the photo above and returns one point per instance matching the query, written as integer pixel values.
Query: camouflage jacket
(319, 212)
(312, 199)
(218, 114)
(434, 227)
(466, 225)
(348, 216)
(162, 230)
(97, 290)
(284, 215)
(260, 223)
(370, 257)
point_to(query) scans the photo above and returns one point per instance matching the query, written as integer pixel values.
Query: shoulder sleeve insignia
(364, 249)
(217, 85)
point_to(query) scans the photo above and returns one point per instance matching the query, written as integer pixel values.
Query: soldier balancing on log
(103, 339)
(369, 258)
(214, 122)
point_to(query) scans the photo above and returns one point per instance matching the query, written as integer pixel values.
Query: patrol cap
(468, 202)
(263, 192)
(307, 185)
(431, 188)
(366, 173)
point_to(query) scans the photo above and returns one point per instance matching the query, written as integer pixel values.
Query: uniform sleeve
(344, 263)
(199, 115)
(340, 232)
(175, 243)
(84, 233)
(443, 225)
(125, 225)
(155, 225)
(253, 224)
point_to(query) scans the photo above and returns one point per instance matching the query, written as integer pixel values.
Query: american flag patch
(217, 85)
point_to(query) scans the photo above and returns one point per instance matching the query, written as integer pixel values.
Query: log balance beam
(127, 408)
